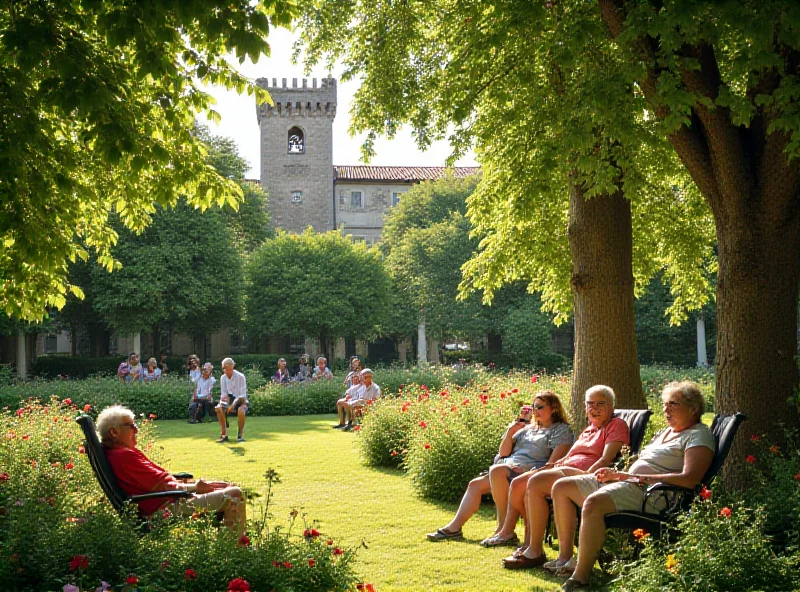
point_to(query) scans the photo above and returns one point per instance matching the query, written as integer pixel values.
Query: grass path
(323, 478)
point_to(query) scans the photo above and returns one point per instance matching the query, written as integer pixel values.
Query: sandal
(442, 535)
(562, 569)
(573, 584)
(496, 541)
(523, 562)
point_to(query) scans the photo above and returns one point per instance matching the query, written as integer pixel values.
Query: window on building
(396, 197)
(51, 344)
(297, 197)
(297, 142)
(356, 199)
(358, 238)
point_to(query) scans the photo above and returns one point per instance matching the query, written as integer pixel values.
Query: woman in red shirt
(137, 474)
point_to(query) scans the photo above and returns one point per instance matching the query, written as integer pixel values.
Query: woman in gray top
(525, 445)
(679, 455)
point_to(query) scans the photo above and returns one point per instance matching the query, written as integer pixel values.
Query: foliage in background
(97, 115)
(526, 332)
(320, 285)
(53, 511)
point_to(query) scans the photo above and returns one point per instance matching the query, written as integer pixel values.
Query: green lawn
(323, 478)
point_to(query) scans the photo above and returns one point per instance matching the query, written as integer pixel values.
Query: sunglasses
(539, 407)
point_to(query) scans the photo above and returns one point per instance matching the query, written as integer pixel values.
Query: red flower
(132, 580)
(275, 564)
(67, 401)
(502, 395)
(357, 428)
(705, 493)
(797, 477)
(393, 453)
(79, 562)
(34, 463)
(311, 563)
(465, 402)
(69, 467)
(87, 408)
(310, 533)
(443, 393)
(750, 458)
(423, 425)
(426, 446)
(26, 437)
(164, 564)
(81, 450)
(564, 379)
(244, 541)
(337, 551)
(360, 587)
(152, 416)
(20, 412)
(4, 477)
(515, 390)
(287, 565)
(370, 588)
(534, 379)
(725, 512)
(329, 542)
(755, 437)
(238, 585)
(190, 575)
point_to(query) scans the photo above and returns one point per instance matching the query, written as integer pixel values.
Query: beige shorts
(626, 496)
(215, 501)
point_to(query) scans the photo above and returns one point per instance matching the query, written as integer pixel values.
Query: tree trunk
(494, 343)
(156, 341)
(756, 330)
(601, 244)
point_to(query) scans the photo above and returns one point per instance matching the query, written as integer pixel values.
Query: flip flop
(495, 541)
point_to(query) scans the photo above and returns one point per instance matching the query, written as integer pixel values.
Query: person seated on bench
(136, 474)
(525, 445)
(368, 392)
(281, 376)
(202, 400)
(351, 394)
(596, 447)
(321, 371)
(678, 455)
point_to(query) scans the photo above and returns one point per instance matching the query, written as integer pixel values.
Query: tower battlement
(306, 100)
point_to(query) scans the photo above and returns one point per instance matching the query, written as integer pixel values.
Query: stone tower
(297, 153)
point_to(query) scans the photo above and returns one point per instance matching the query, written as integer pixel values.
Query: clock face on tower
(296, 141)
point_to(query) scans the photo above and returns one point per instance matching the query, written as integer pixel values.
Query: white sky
(239, 117)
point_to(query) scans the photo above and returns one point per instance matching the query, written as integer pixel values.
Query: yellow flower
(671, 563)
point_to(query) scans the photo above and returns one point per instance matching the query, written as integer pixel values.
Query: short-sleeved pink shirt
(588, 448)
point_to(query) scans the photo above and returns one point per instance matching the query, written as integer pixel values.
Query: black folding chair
(679, 499)
(108, 481)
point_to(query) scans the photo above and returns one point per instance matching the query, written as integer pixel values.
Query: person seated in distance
(303, 370)
(202, 399)
(233, 399)
(281, 376)
(352, 393)
(596, 447)
(525, 445)
(364, 396)
(322, 371)
(678, 455)
(137, 474)
(152, 372)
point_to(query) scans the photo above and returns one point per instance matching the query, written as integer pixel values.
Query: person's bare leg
(498, 482)
(235, 515)
(221, 418)
(340, 412)
(241, 418)
(470, 503)
(593, 532)
(515, 509)
(567, 498)
(536, 494)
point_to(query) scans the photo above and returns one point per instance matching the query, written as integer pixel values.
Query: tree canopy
(97, 107)
(316, 285)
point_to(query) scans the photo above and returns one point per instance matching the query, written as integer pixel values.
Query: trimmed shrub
(62, 366)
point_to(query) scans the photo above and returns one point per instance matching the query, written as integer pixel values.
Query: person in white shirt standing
(233, 399)
(370, 392)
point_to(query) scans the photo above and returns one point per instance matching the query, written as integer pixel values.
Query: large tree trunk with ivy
(601, 244)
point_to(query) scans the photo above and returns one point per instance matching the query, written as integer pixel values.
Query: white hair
(366, 371)
(228, 362)
(112, 417)
(208, 366)
(607, 391)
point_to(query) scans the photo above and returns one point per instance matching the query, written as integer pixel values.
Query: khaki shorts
(215, 501)
(626, 496)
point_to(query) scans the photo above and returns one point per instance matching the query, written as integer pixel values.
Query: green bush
(52, 510)
(656, 376)
(721, 548)
(55, 366)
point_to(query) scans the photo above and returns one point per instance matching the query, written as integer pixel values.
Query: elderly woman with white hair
(596, 447)
(137, 475)
(678, 455)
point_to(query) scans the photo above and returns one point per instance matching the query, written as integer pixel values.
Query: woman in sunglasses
(596, 447)
(138, 475)
(525, 445)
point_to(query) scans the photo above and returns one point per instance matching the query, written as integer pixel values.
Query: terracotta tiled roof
(398, 173)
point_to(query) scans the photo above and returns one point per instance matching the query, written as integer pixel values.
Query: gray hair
(228, 362)
(691, 394)
(208, 366)
(323, 358)
(607, 391)
(366, 371)
(112, 417)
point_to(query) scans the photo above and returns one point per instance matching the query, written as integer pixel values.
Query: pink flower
(705, 493)
(750, 458)
(67, 401)
(534, 379)
(725, 512)
(87, 408)
(70, 588)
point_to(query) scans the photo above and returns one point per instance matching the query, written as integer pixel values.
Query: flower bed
(57, 531)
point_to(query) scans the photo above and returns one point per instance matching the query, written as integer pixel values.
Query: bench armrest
(167, 495)
(673, 494)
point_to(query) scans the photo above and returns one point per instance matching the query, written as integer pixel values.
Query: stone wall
(365, 222)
